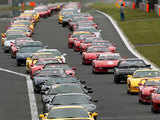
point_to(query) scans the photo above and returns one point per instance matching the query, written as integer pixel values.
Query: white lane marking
(128, 44)
(31, 95)
(33, 105)
(9, 71)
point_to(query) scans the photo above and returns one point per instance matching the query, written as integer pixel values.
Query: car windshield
(51, 73)
(36, 44)
(132, 63)
(87, 29)
(45, 62)
(67, 113)
(75, 19)
(29, 49)
(66, 88)
(109, 57)
(13, 37)
(152, 83)
(141, 74)
(97, 49)
(64, 66)
(72, 99)
(101, 44)
(61, 80)
(43, 56)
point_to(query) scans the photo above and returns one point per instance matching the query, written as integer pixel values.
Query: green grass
(55, 1)
(139, 26)
(151, 52)
(14, 8)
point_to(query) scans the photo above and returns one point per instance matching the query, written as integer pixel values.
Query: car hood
(105, 63)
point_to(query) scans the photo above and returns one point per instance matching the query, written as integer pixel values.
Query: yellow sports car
(139, 77)
(30, 61)
(69, 113)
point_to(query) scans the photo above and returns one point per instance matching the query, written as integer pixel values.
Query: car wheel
(139, 101)
(83, 61)
(69, 46)
(18, 64)
(6, 51)
(153, 110)
(63, 25)
(128, 92)
(116, 80)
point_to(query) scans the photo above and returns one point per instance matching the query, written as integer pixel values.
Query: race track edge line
(128, 44)
(31, 95)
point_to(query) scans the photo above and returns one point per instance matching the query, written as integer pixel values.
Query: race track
(113, 101)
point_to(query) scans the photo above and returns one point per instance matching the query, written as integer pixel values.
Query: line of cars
(85, 37)
(63, 95)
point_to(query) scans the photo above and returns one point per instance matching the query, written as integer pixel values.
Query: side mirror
(28, 58)
(83, 82)
(94, 100)
(148, 66)
(64, 54)
(90, 91)
(95, 114)
(46, 46)
(41, 116)
(3, 35)
(73, 68)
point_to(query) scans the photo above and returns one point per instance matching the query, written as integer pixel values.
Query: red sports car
(155, 100)
(15, 46)
(105, 43)
(46, 63)
(87, 42)
(80, 39)
(74, 36)
(146, 91)
(93, 52)
(105, 62)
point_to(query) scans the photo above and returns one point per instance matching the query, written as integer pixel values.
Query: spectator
(122, 17)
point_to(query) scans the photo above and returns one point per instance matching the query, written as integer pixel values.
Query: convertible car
(93, 52)
(69, 99)
(105, 62)
(155, 100)
(127, 67)
(146, 90)
(138, 77)
(68, 112)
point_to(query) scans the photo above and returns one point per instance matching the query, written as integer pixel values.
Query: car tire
(128, 92)
(83, 61)
(63, 25)
(139, 101)
(18, 64)
(153, 110)
(116, 80)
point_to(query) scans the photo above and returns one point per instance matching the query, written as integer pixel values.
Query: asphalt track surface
(114, 103)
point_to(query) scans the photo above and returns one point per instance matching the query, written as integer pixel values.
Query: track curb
(128, 44)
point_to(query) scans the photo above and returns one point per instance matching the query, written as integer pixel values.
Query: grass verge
(140, 28)
(151, 52)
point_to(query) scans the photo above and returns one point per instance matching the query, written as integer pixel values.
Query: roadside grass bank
(9, 8)
(141, 28)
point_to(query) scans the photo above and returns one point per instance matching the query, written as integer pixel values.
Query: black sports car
(126, 67)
